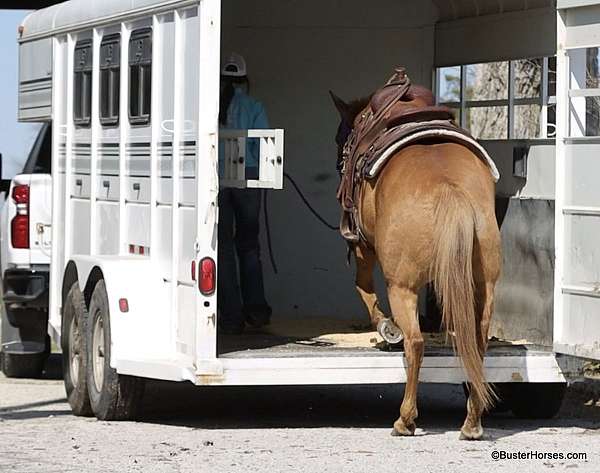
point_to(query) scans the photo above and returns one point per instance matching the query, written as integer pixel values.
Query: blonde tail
(452, 274)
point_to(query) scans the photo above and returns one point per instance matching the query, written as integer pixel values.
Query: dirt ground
(325, 429)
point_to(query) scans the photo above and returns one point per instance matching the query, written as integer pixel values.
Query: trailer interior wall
(296, 55)
(296, 52)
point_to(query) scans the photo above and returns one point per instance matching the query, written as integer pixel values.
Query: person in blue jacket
(239, 211)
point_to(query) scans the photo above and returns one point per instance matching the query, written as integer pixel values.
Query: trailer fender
(138, 301)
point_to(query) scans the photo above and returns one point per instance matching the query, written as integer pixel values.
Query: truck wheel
(536, 400)
(74, 349)
(18, 365)
(112, 396)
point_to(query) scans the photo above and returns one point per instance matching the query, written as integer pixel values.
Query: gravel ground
(324, 429)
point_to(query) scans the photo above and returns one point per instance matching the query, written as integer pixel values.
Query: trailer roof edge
(77, 15)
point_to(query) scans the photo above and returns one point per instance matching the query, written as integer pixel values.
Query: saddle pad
(434, 129)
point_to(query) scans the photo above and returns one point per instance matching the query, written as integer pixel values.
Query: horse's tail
(452, 274)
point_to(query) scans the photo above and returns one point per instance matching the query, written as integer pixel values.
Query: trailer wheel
(74, 349)
(536, 400)
(18, 365)
(112, 396)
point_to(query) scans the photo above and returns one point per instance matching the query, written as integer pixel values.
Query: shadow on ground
(441, 407)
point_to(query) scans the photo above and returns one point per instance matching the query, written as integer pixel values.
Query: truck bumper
(25, 316)
(25, 289)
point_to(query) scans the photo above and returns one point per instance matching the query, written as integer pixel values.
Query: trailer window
(140, 76)
(110, 57)
(502, 100)
(82, 103)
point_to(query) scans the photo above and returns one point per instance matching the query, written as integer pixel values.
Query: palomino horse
(427, 217)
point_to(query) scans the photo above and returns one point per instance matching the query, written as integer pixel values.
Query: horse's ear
(342, 107)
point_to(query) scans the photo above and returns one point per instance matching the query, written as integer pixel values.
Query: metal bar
(437, 81)
(450, 104)
(70, 129)
(156, 114)
(463, 97)
(178, 118)
(58, 191)
(581, 140)
(583, 211)
(511, 101)
(95, 130)
(587, 291)
(279, 146)
(562, 125)
(493, 103)
(123, 137)
(584, 92)
(544, 111)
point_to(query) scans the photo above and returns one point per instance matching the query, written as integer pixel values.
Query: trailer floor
(317, 337)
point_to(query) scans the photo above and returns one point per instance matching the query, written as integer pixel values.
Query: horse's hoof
(474, 435)
(389, 331)
(402, 431)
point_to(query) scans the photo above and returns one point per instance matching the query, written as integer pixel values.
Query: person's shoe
(257, 316)
(231, 327)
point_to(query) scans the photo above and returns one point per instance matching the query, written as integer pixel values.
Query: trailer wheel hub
(98, 353)
(74, 351)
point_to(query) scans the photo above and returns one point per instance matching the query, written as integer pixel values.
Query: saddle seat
(417, 104)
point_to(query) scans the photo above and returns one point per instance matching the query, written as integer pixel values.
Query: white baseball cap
(234, 66)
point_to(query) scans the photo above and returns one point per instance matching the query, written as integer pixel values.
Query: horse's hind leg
(404, 311)
(486, 272)
(365, 263)
(472, 429)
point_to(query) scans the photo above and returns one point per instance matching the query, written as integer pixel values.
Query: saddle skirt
(398, 115)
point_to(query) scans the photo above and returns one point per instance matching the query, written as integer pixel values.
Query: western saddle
(394, 111)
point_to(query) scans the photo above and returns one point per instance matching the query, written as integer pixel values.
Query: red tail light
(207, 278)
(20, 194)
(20, 223)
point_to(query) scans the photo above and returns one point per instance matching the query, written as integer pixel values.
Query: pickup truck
(25, 245)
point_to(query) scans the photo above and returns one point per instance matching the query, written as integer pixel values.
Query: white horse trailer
(132, 91)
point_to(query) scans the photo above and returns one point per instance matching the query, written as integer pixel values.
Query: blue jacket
(245, 113)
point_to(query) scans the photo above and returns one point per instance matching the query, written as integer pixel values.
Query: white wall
(296, 51)
(514, 35)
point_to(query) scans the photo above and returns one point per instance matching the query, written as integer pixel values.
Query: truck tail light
(20, 223)
(207, 277)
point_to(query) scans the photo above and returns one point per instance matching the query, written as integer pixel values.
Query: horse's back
(418, 170)
(406, 197)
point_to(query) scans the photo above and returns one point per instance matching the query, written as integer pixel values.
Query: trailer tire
(536, 400)
(74, 349)
(23, 365)
(113, 396)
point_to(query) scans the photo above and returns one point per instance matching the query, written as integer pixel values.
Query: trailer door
(577, 271)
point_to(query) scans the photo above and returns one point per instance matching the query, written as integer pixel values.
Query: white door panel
(577, 275)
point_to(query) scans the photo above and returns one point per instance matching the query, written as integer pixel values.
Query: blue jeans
(239, 211)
